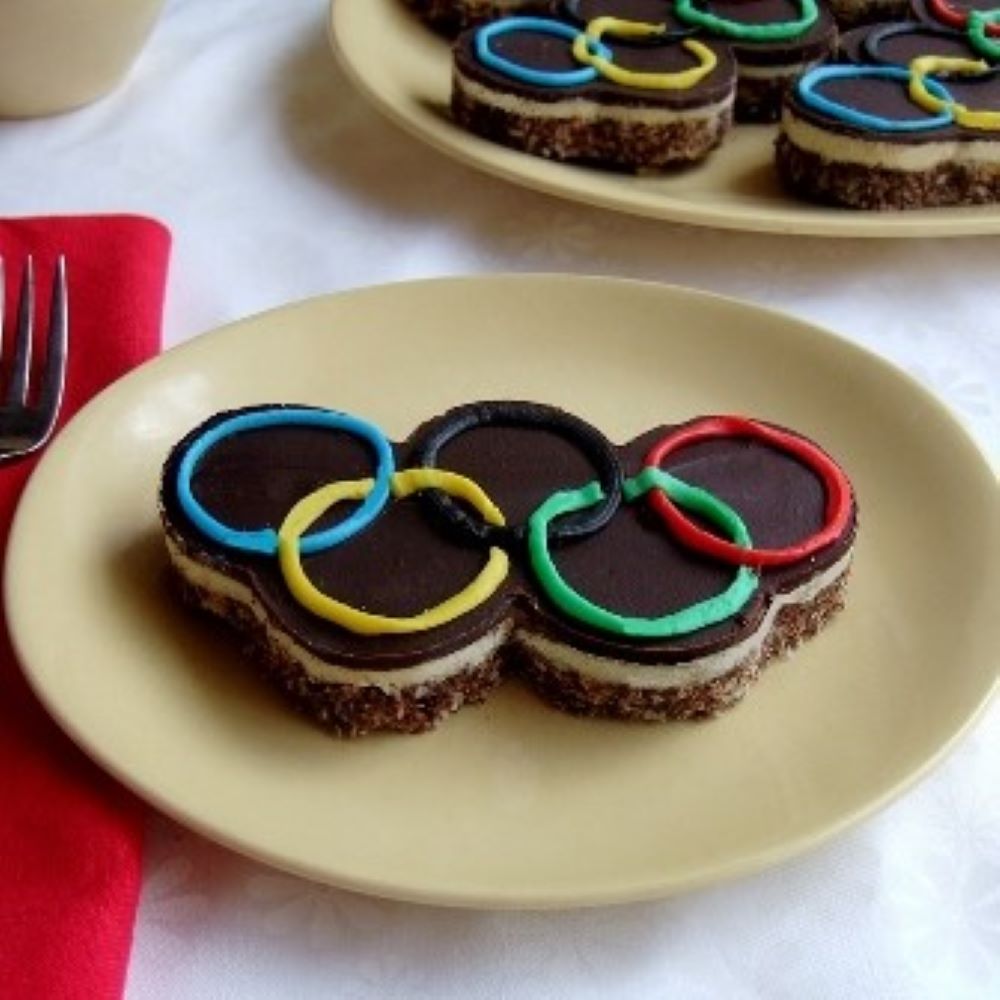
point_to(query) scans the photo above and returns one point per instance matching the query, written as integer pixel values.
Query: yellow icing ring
(304, 514)
(619, 28)
(924, 66)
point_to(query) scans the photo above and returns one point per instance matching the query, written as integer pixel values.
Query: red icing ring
(959, 19)
(838, 492)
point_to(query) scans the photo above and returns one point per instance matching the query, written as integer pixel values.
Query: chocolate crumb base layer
(449, 17)
(854, 13)
(759, 99)
(578, 694)
(854, 185)
(344, 709)
(594, 137)
(356, 709)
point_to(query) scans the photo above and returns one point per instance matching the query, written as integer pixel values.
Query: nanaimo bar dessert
(382, 585)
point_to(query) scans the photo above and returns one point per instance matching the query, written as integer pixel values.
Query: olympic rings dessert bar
(549, 88)
(383, 585)
(911, 119)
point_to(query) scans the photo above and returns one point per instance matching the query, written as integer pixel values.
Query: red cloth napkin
(70, 838)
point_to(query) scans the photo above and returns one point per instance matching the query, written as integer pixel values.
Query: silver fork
(26, 424)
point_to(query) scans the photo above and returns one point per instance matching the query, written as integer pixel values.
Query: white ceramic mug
(56, 55)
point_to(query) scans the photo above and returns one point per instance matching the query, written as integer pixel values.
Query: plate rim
(801, 219)
(738, 867)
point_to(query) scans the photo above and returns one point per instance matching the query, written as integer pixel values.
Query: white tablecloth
(279, 182)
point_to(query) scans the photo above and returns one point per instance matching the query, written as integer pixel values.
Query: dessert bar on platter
(382, 585)
(881, 104)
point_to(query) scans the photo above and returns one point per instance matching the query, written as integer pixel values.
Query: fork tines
(26, 423)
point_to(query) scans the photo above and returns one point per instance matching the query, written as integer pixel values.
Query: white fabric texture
(279, 181)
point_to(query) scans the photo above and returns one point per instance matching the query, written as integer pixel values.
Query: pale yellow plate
(406, 71)
(513, 803)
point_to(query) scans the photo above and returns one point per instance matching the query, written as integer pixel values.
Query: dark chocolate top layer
(408, 560)
(899, 44)
(545, 52)
(812, 44)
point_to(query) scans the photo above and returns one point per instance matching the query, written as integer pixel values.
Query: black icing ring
(875, 37)
(571, 10)
(591, 442)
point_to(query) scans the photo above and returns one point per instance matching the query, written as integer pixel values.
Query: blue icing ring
(525, 74)
(264, 541)
(841, 112)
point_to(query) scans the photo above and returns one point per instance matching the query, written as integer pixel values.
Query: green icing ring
(976, 26)
(778, 31)
(690, 619)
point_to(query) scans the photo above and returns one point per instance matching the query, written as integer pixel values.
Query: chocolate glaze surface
(546, 52)
(899, 44)
(407, 561)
